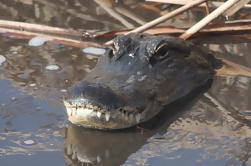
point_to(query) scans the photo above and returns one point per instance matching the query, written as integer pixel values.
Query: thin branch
(37, 28)
(184, 2)
(219, 106)
(238, 21)
(198, 26)
(231, 68)
(167, 30)
(164, 17)
(236, 7)
(207, 8)
(128, 13)
(61, 40)
(114, 14)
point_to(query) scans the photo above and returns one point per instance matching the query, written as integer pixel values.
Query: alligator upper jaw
(91, 116)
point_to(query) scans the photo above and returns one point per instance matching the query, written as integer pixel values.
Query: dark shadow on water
(93, 147)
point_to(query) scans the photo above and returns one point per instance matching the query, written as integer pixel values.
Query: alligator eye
(115, 48)
(109, 52)
(112, 50)
(161, 52)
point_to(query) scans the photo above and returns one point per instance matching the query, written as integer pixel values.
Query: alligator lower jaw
(93, 117)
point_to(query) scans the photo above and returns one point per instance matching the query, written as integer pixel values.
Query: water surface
(210, 128)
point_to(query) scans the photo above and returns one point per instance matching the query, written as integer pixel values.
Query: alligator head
(133, 82)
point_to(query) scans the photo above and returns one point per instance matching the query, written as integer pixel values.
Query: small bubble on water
(29, 142)
(38, 108)
(14, 52)
(52, 67)
(32, 85)
(94, 50)
(99, 159)
(2, 59)
(63, 90)
(13, 98)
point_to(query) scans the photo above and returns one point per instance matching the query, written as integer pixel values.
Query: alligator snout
(94, 105)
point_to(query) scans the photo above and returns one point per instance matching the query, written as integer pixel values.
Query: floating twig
(114, 14)
(234, 29)
(38, 28)
(207, 8)
(61, 40)
(184, 2)
(151, 8)
(130, 14)
(243, 21)
(198, 26)
(235, 8)
(231, 68)
(164, 17)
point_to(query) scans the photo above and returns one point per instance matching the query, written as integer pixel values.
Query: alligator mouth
(93, 116)
(94, 105)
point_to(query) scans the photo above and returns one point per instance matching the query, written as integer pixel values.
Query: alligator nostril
(96, 95)
(110, 52)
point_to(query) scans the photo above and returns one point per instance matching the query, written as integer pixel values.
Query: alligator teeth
(98, 159)
(73, 111)
(99, 114)
(74, 155)
(68, 111)
(138, 117)
(66, 104)
(107, 116)
(126, 116)
(69, 149)
(130, 116)
(83, 112)
(78, 111)
(95, 107)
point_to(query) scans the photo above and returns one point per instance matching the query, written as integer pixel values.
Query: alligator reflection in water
(86, 146)
(205, 134)
(101, 148)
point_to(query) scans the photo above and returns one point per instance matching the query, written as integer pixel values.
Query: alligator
(136, 78)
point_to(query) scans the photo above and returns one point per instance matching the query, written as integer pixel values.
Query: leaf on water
(38, 41)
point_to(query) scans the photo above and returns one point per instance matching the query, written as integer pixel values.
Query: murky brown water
(209, 129)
